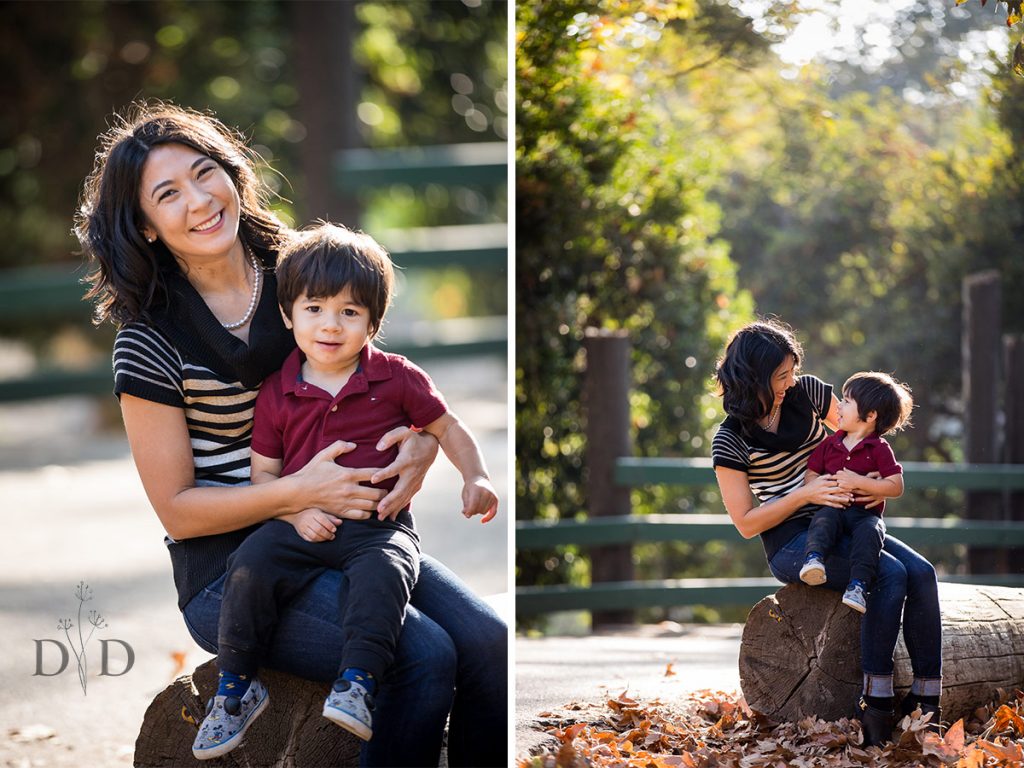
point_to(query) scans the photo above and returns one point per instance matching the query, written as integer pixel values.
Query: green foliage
(614, 231)
(426, 58)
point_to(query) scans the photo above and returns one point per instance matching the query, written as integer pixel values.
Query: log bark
(800, 652)
(291, 733)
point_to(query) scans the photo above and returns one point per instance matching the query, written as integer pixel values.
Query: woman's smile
(211, 223)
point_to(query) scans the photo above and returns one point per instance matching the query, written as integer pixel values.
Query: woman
(175, 218)
(775, 418)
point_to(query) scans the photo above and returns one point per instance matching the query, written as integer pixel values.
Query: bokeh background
(684, 166)
(303, 81)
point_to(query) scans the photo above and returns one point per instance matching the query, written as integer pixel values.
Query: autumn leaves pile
(718, 729)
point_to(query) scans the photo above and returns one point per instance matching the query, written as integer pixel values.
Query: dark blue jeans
(452, 657)
(905, 589)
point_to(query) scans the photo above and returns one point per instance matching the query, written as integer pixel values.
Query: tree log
(291, 732)
(800, 652)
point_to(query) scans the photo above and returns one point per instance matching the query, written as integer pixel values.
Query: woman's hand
(863, 497)
(415, 455)
(825, 491)
(336, 489)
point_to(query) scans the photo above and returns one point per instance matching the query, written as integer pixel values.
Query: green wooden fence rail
(635, 471)
(696, 527)
(619, 595)
(452, 164)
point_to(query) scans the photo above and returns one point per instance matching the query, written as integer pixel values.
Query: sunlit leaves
(1013, 16)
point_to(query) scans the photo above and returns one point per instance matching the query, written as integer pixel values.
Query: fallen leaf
(955, 736)
(178, 657)
(34, 732)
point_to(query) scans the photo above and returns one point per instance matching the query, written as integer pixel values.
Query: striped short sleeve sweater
(775, 464)
(218, 411)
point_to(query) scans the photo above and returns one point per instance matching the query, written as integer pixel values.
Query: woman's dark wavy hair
(744, 372)
(127, 281)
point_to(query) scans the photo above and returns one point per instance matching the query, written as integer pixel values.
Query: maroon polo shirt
(872, 454)
(295, 420)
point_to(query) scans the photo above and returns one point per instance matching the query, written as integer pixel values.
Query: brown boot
(877, 724)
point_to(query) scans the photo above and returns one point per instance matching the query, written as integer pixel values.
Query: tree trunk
(800, 652)
(291, 733)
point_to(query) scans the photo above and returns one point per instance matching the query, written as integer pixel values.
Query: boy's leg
(867, 535)
(269, 568)
(382, 566)
(824, 530)
(821, 537)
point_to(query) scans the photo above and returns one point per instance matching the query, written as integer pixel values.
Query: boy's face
(849, 415)
(330, 331)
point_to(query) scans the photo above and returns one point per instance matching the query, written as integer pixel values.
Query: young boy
(874, 404)
(334, 287)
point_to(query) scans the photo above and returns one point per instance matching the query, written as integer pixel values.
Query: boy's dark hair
(325, 258)
(744, 372)
(881, 393)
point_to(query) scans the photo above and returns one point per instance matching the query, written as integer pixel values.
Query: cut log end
(800, 652)
(291, 733)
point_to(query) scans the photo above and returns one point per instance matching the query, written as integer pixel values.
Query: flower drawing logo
(84, 594)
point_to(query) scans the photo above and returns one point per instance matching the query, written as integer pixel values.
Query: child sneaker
(813, 572)
(349, 705)
(854, 597)
(227, 718)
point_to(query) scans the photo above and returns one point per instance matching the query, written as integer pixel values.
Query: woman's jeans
(905, 588)
(452, 656)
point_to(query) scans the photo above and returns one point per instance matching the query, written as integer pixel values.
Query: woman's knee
(425, 653)
(892, 577)
(921, 576)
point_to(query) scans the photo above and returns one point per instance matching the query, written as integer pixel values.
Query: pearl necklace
(256, 280)
(775, 416)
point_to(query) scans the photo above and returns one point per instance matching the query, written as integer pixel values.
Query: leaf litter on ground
(712, 729)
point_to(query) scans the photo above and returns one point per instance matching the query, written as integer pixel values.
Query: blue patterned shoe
(349, 705)
(227, 718)
(854, 597)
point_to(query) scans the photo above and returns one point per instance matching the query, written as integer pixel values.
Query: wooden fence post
(606, 405)
(328, 81)
(980, 351)
(1013, 358)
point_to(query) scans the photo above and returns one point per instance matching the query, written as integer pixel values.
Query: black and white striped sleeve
(819, 393)
(146, 365)
(728, 449)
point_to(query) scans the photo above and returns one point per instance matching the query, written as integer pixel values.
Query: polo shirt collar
(373, 364)
(871, 439)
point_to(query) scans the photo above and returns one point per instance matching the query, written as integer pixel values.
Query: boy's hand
(479, 498)
(848, 481)
(315, 525)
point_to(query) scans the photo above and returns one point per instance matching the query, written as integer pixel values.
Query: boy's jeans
(865, 530)
(905, 588)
